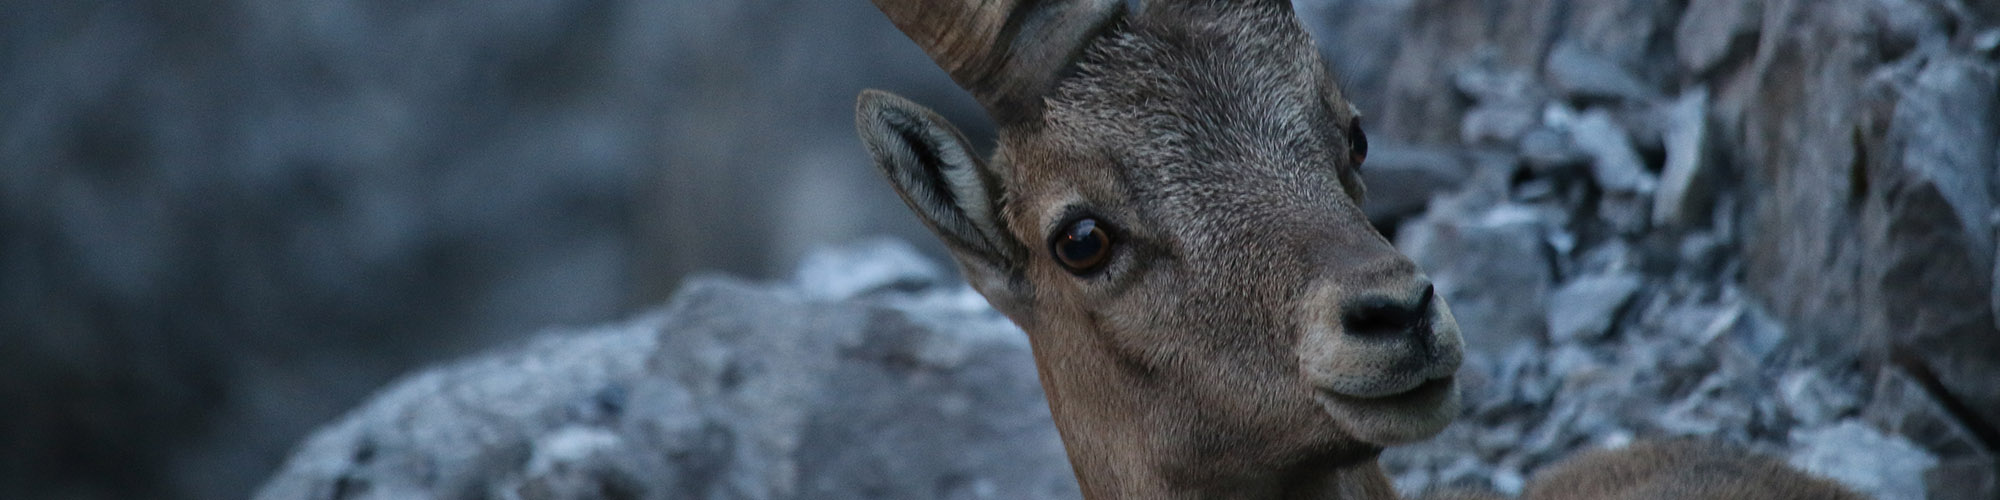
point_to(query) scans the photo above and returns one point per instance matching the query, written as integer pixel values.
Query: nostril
(1383, 316)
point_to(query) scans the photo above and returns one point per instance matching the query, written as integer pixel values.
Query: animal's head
(1172, 214)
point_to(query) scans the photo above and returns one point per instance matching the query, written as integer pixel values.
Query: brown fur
(1679, 470)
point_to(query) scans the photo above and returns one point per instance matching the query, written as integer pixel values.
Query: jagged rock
(1987, 42)
(1585, 308)
(1713, 31)
(1687, 183)
(1583, 76)
(1489, 85)
(1615, 164)
(1880, 466)
(1904, 407)
(848, 271)
(1549, 151)
(1401, 180)
(869, 385)
(1928, 237)
(1812, 399)
(1625, 212)
(1963, 479)
(1864, 180)
(1500, 123)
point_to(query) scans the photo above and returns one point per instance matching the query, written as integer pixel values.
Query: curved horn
(1006, 52)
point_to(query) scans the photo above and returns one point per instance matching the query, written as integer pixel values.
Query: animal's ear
(941, 179)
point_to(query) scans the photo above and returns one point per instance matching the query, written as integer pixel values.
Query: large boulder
(1869, 141)
(866, 378)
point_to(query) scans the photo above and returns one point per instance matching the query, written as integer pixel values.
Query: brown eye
(1357, 143)
(1082, 247)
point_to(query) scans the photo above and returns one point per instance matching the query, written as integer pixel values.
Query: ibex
(1171, 214)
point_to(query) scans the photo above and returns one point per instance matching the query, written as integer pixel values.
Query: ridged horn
(1007, 53)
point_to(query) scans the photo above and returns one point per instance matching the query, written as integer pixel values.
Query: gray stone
(733, 390)
(1904, 407)
(1615, 164)
(1687, 183)
(1963, 479)
(1880, 466)
(1490, 264)
(1702, 255)
(1581, 75)
(1488, 85)
(1926, 233)
(1402, 180)
(856, 269)
(1812, 399)
(1712, 32)
(1548, 151)
(1498, 123)
(1713, 410)
(1625, 212)
(1987, 42)
(1585, 308)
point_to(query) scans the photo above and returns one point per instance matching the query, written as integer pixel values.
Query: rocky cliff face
(865, 377)
(1650, 164)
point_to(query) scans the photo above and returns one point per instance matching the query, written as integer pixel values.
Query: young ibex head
(1172, 214)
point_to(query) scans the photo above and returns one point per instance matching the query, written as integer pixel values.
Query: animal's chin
(1396, 418)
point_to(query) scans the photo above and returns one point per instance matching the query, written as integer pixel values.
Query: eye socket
(1082, 247)
(1357, 143)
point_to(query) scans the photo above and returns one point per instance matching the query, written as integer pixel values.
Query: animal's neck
(1121, 449)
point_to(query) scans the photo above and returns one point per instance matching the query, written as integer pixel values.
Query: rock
(1926, 235)
(1584, 76)
(1489, 85)
(1490, 265)
(223, 223)
(1868, 156)
(1702, 255)
(1585, 308)
(1550, 152)
(1713, 410)
(1401, 180)
(1615, 164)
(733, 390)
(1687, 183)
(1812, 399)
(1625, 212)
(1712, 32)
(1987, 42)
(853, 270)
(1501, 123)
(1904, 407)
(1963, 479)
(1880, 466)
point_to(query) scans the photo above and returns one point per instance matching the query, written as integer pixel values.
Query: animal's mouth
(1399, 417)
(1428, 390)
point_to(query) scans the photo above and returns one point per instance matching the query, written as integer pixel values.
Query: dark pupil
(1082, 244)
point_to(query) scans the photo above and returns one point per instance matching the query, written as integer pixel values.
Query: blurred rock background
(223, 223)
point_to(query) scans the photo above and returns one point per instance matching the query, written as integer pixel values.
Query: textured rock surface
(1797, 182)
(224, 222)
(846, 383)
